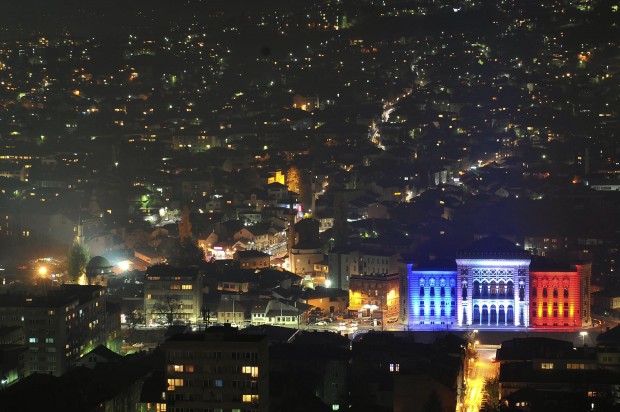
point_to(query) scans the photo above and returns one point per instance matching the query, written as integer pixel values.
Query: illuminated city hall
(495, 285)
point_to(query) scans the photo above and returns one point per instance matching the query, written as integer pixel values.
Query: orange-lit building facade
(495, 285)
(376, 296)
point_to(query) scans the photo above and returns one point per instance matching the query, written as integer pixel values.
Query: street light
(583, 335)
(42, 271)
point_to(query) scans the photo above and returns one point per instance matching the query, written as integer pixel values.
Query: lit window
(49, 340)
(33, 340)
(250, 398)
(394, 367)
(546, 365)
(252, 370)
(186, 287)
(173, 383)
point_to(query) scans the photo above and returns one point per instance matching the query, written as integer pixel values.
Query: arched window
(485, 289)
(534, 289)
(476, 289)
(566, 292)
(493, 288)
(464, 290)
(502, 288)
(510, 289)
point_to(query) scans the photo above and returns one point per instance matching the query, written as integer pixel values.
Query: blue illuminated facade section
(433, 297)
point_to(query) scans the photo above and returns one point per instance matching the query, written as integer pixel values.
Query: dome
(98, 266)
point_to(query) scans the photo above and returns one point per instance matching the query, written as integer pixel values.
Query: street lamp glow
(123, 265)
(42, 271)
(328, 283)
(583, 335)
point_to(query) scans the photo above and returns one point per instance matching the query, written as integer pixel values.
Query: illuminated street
(483, 368)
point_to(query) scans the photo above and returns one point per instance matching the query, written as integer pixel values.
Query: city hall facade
(494, 285)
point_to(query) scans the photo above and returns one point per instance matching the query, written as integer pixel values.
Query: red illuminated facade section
(560, 298)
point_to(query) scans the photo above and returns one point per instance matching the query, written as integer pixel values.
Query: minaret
(291, 236)
(80, 232)
(313, 201)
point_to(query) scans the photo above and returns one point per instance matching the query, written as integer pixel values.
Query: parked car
(321, 323)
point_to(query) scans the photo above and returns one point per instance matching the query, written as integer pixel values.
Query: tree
(293, 179)
(300, 182)
(166, 309)
(185, 225)
(134, 318)
(207, 313)
(77, 258)
(188, 253)
(491, 388)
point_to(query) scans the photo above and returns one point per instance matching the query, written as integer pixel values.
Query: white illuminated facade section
(494, 292)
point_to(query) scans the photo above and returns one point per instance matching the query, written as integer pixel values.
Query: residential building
(252, 259)
(377, 296)
(217, 369)
(172, 291)
(59, 327)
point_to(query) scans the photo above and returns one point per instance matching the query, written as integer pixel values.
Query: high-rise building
(217, 370)
(59, 327)
(496, 285)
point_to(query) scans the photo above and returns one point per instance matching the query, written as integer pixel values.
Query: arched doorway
(485, 315)
(510, 315)
(476, 315)
(493, 315)
(502, 315)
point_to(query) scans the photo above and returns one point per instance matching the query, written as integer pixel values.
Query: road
(483, 368)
